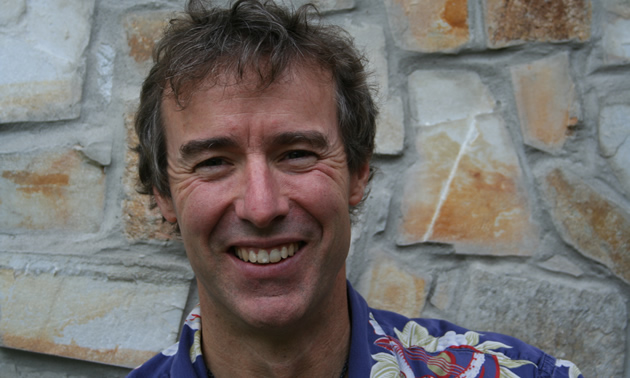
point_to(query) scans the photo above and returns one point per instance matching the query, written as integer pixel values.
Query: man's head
(256, 128)
(205, 45)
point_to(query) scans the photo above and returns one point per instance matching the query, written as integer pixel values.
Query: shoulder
(159, 366)
(440, 346)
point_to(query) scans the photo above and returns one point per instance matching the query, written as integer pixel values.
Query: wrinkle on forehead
(251, 82)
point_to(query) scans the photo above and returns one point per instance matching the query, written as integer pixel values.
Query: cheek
(323, 196)
(199, 208)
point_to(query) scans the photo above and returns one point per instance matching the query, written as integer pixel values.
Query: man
(256, 130)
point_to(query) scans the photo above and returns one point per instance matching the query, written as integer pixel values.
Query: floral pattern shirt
(388, 345)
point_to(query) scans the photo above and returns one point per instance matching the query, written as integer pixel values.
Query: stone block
(439, 96)
(12, 10)
(618, 7)
(616, 41)
(390, 128)
(143, 30)
(322, 5)
(50, 190)
(614, 140)
(597, 227)
(561, 264)
(510, 22)
(467, 189)
(42, 59)
(141, 220)
(586, 325)
(429, 25)
(393, 289)
(546, 101)
(93, 317)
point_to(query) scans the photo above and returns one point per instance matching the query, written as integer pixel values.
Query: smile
(266, 256)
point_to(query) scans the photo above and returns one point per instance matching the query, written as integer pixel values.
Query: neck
(314, 345)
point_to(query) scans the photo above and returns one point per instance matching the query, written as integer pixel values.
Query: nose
(262, 200)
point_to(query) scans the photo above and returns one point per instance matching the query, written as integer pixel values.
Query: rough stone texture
(590, 222)
(323, 5)
(50, 190)
(510, 22)
(396, 290)
(617, 41)
(439, 96)
(143, 31)
(546, 101)
(614, 140)
(390, 128)
(42, 65)
(119, 322)
(561, 264)
(567, 320)
(142, 221)
(618, 7)
(12, 10)
(466, 187)
(429, 25)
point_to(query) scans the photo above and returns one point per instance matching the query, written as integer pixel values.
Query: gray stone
(616, 41)
(614, 140)
(11, 11)
(42, 65)
(566, 320)
(561, 264)
(390, 130)
(89, 310)
(323, 5)
(438, 96)
(105, 67)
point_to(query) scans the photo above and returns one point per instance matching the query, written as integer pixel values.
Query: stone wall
(501, 201)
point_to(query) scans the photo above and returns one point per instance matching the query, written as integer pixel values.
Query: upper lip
(264, 243)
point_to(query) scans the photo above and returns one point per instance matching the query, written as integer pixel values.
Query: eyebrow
(193, 148)
(314, 138)
(196, 147)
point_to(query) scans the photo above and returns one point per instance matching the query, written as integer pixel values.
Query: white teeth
(284, 253)
(263, 256)
(274, 256)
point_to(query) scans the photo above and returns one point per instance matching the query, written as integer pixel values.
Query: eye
(298, 154)
(212, 162)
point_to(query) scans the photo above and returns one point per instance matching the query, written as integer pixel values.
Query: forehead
(313, 83)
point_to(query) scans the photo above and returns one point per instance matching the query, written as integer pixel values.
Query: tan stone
(143, 31)
(141, 219)
(595, 226)
(114, 322)
(51, 190)
(510, 22)
(467, 189)
(546, 101)
(395, 290)
(429, 25)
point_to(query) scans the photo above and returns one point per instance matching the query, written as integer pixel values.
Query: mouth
(266, 255)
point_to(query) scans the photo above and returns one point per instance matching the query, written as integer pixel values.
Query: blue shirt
(385, 344)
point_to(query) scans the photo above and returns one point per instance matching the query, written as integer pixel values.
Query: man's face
(262, 174)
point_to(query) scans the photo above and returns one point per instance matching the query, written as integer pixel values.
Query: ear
(166, 206)
(358, 183)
